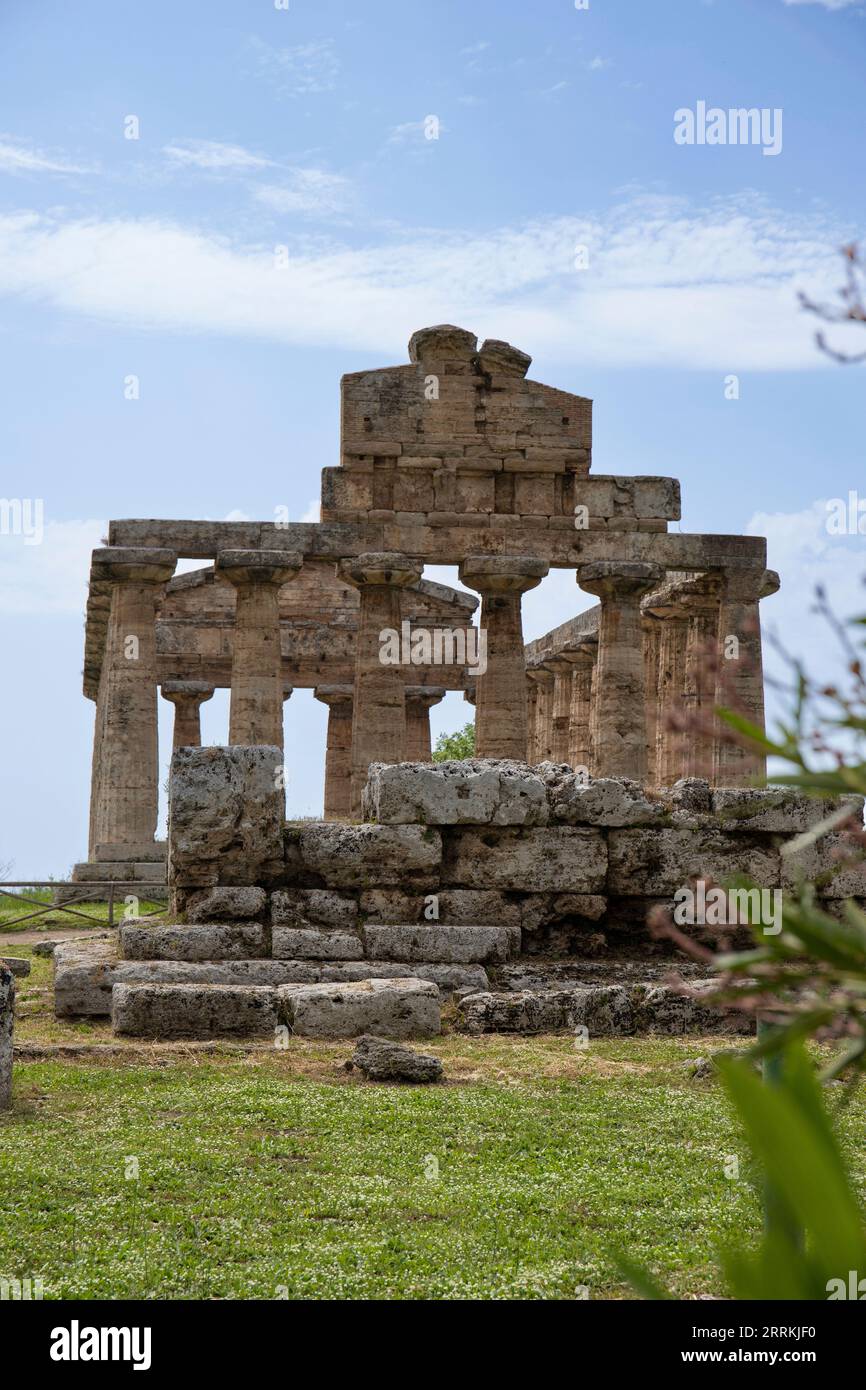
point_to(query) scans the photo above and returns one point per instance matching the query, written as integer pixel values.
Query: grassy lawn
(83, 915)
(264, 1174)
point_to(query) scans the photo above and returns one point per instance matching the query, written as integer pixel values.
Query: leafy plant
(456, 746)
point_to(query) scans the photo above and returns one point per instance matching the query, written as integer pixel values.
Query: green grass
(96, 913)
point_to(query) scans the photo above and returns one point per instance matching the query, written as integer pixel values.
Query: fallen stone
(7, 1022)
(319, 905)
(382, 1060)
(371, 856)
(559, 859)
(227, 905)
(193, 1011)
(454, 945)
(473, 791)
(223, 941)
(310, 943)
(407, 1008)
(19, 966)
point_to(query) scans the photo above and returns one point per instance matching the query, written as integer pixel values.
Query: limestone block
(226, 905)
(553, 859)
(785, 810)
(407, 1008)
(320, 905)
(226, 810)
(311, 943)
(475, 791)
(650, 862)
(605, 1010)
(381, 1060)
(222, 941)
(82, 976)
(193, 1011)
(7, 1021)
(605, 801)
(453, 945)
(370, 856)
(17, 965)
(690, 796)
(834, 864)
(541, 909)
(659, 1009)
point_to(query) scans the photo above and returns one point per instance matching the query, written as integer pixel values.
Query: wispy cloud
(51, 577)
(827, 4)
(18, 157)
(598, 64)
(668, 283)
(312, 192)
(214, 157)
(301, 70)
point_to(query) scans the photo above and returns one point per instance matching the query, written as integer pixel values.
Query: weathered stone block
(447, 905)
(222, 941)
(18, 965)
(558, 859)
(647, 863)
(381, 1060)
(437, 943)
(193, 1011)
(784, 810)
(7, 1021)
(603, 801)
(226, 905)
(473, 791)
(311, 943)
(370, 856)
(82, 976)
(226, 810)
(834, 864)
(319, 905)
(605, 1010)
(407, 1008)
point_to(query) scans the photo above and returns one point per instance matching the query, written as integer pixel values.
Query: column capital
(427, 695)
(582, 653)
(618, 578)
(502, 574)
(334, 694)
(540, 675)
(558, 663)
(178, 691)
(258, 566)
(748, 585)
(150, 565)
(288, 692)
(383, 568)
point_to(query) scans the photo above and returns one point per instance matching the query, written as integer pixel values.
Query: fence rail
(84, 893)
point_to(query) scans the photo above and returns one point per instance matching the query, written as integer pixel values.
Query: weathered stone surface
(226, 905)
(193, 1011)
(7, 1021)
(475, 791)
(226, 816)
(221, 941)
(657, 862)
(18, 965)
(603, 801)
(834, 864)
(311, 943)
(319, 905)
(407, 1008)
(559, 859)
(382, 1060)
(659, 1009)
(82, 976)
(691, 796)
(454, 945)
(604, 1010)
(447, 905)
(540, 909)
(785, 810)
(371, 856)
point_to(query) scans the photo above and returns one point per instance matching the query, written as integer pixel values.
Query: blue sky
(306, 129)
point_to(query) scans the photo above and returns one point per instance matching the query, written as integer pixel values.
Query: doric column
(257, 681)
(619, 705)
(651, 655)
(500, 724)
(127, 785)
(740, 679)
(379, 728)
(582, 658)
(561, 716)
(531, 719)
(187, 698)
(671, 618)
(419, 701)
(701, 601)
(542, 743)
(338, 756)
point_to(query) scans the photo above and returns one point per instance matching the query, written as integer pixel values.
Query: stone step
(215, 941)
(121, 871)
(153, 851)
(86, 970)
(404, 1008)
(479, 944)
(598, 1011)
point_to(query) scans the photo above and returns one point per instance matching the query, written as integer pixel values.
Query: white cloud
(599, 64)
(19, 158)
(302, 70)
(52, 577)
(314, 510)
(668, 283)
(214, 157)
(828, 4)
(310, 191)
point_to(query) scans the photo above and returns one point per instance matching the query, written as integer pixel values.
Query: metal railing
(89, 893)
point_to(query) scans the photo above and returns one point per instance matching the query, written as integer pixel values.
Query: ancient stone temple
(518, 882)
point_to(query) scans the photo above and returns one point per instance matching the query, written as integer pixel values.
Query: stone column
(673, 631)
(419, 701)
(127, 785)
(500, 725)
(256, 715)
(583, 660)
(740, 678)
(338, 755)
(379, 727)
(187, 698)
(651, 654)
(542, 744)
(701, 600)
(619, 714)
(561, 716)
(532, 693)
